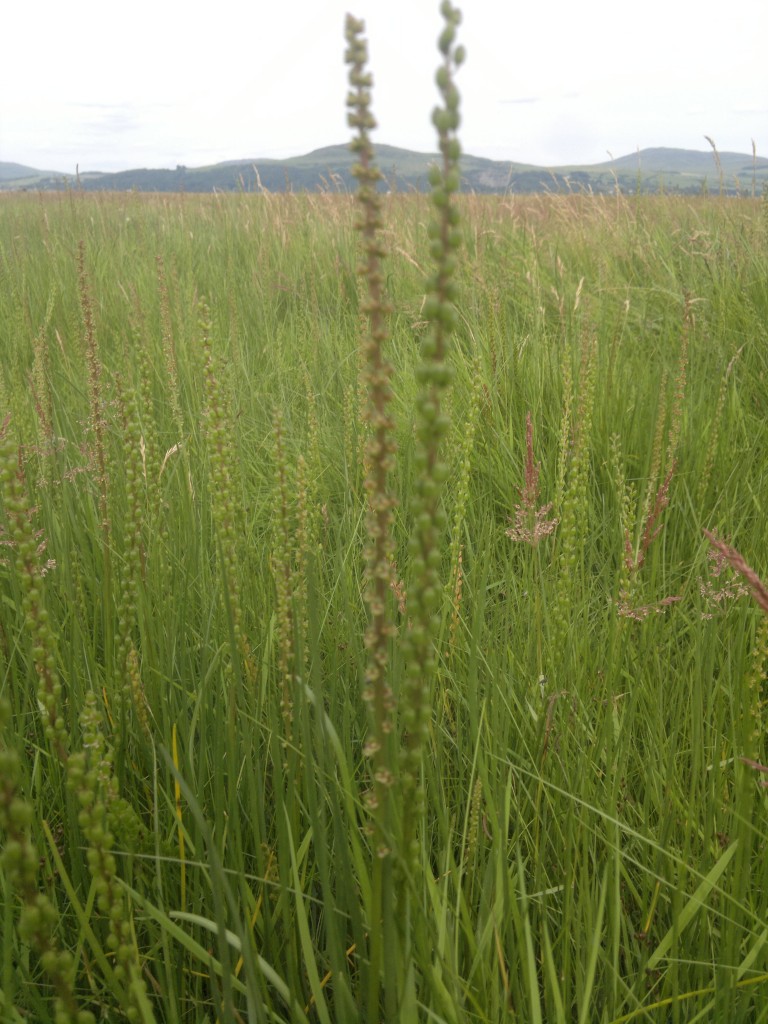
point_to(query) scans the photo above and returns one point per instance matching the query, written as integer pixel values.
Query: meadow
(350, 675)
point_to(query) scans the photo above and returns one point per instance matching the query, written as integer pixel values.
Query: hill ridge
(328, 168)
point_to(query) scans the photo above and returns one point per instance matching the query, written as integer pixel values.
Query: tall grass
(187, 762)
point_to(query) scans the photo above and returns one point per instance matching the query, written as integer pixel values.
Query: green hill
(11, 174)
(329, 169)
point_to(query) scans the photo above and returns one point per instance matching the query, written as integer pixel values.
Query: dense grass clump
(362, 653)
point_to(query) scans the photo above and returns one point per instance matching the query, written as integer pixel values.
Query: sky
(156, 83)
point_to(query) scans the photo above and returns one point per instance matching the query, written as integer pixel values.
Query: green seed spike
(434, 375)
(380, 448)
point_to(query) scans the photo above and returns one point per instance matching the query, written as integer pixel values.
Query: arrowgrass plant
(575, 819)
(377, 693)
(434, 374)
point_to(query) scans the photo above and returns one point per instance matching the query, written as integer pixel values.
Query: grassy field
(561, 817)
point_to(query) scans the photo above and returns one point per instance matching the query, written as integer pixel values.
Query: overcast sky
(155, 83)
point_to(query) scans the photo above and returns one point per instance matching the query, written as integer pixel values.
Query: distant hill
(682, 171)
(683, 161)
(18, 172)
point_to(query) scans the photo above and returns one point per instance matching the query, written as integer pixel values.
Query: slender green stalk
(434, 374)
(380, 449)
(380, 547)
